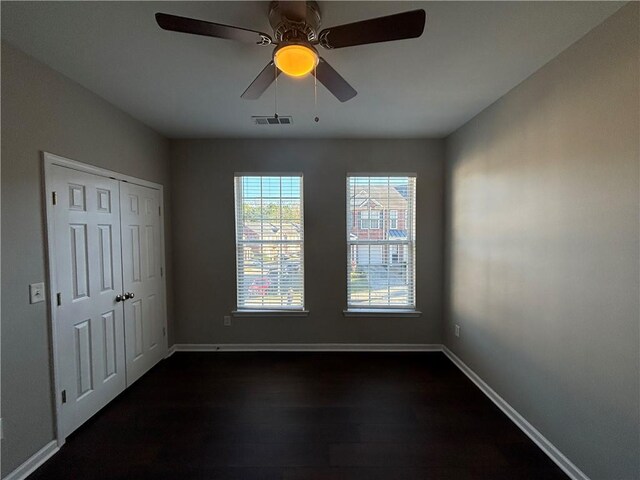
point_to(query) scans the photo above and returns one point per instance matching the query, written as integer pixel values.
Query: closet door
(86, 265)
(142, 278)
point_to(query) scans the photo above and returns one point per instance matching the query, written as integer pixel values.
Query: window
(397, 253)
(269, 242)
(369, 220)
(381, 257)
(393, 219)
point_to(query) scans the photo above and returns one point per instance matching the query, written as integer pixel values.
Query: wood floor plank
(440, 454)
(295, 416)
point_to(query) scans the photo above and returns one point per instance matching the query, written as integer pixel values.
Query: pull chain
(275, 72)
(315, 92)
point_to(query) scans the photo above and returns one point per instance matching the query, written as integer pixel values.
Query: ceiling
(186, 86)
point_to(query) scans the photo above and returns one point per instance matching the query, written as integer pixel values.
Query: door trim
(49, 160)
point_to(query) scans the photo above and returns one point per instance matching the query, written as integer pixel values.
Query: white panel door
(142, 278)
(89, 326)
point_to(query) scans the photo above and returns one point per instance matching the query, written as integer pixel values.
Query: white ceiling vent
(279, 120)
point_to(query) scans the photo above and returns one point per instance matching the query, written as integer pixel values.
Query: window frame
(393, 218)
(408, 310)
(369, 219)
(279, 310)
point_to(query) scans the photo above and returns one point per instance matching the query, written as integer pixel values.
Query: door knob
(120, 298)
(128, 295)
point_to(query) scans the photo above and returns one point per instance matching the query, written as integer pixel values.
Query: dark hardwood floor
(297, 416)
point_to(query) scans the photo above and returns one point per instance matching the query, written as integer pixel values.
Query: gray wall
(42, 110)
(543, 240)
(204, 239)
(543, 248)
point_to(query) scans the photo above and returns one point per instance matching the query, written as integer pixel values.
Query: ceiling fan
(295, 36)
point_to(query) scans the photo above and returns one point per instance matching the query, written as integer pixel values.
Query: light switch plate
(36, 292)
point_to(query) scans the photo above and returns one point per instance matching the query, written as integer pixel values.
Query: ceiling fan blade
(382, 29)
(334, 81)
(209, 29)
(262, 82)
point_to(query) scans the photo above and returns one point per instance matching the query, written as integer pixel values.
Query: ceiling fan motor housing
(299, 25)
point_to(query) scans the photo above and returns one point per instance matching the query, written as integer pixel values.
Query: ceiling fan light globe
(295, 60)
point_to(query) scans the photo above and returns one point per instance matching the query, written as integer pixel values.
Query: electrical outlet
(457, 330)
(227, 321)
(36, 292)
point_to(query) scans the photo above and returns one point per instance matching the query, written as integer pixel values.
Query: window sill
(270, 313)
(381, 312)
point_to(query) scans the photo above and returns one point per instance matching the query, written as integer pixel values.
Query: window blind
(269, 242)
(381, 242)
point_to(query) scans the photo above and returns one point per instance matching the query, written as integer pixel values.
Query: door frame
(49, 160)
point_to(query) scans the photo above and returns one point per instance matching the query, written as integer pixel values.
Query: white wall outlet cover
(36, 292)
(227, 321)
(457, 330)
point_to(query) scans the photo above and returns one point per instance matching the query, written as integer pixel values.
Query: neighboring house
(255, 230)
(379, 212)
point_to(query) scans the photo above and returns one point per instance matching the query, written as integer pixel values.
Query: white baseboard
(170, 351)
(306, 347)
(545, 445)
(34, 461)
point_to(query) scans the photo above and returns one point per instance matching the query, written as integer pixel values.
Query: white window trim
(384, 311)
(370, 220)
(244, 313)
(392, 219)
(261, 311)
